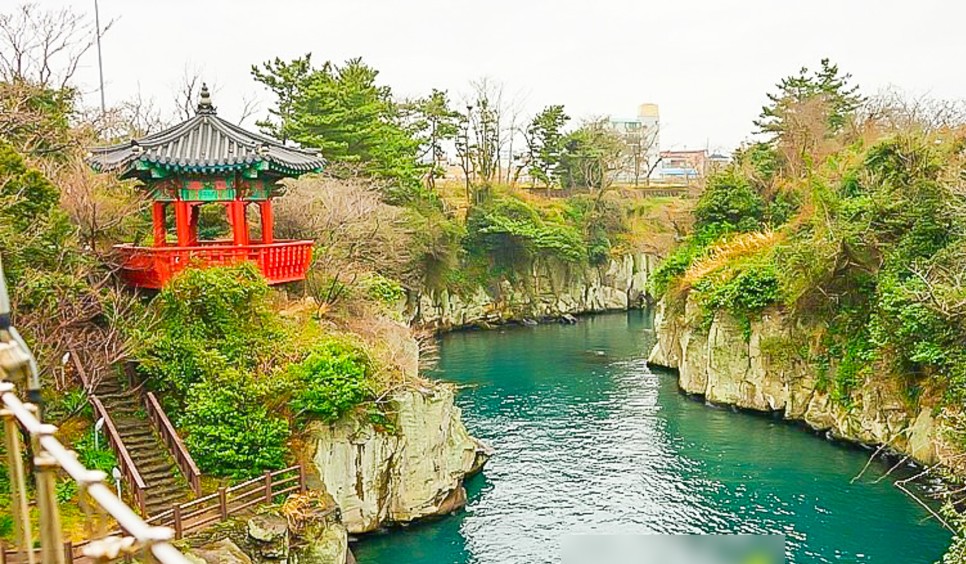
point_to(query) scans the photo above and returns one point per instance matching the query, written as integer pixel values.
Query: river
(589, 440)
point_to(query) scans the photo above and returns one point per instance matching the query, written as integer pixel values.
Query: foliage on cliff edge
(850, 223)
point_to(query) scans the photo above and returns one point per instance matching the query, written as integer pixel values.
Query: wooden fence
(124, 460)
(196, 515)
(174, 443)
(8, 556)
(185, 518)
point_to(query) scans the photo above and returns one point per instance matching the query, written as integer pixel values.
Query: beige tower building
(643, 137)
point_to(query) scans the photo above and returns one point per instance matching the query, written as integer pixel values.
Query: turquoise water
(589, 440)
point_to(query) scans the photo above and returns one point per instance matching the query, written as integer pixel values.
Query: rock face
(726, 367)
(315, 536)
(223, 551)
(377, 476)
(549, 290)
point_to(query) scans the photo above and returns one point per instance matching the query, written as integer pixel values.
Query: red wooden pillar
(239, 223)
(182, 223)
(157, 219)
(195, 210)
(268, 222)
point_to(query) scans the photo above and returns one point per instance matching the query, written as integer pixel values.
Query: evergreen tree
(545, 141)
(592, 156)
(286, 80)
(826, 86)
(434, 123)
(353, 121)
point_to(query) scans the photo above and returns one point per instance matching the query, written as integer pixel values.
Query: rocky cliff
(727, 366)
(548, 290)
(382, 476)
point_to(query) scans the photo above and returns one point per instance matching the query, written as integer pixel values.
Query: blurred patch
(674, 549)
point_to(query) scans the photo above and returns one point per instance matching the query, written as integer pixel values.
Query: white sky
(708, 64)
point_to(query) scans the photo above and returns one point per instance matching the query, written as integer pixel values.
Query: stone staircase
(165, 484)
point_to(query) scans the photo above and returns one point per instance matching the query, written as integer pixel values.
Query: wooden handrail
(174, 443)
(212, 508)
(125, 461)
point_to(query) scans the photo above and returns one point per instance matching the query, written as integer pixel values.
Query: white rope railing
(49, 456)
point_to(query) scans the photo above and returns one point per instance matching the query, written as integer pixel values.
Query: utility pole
(100, 60)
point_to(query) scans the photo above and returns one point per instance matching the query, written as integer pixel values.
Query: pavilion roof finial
(204, 101)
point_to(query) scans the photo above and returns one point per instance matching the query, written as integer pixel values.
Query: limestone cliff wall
(378, 477)
(725, 367)
(549, 290)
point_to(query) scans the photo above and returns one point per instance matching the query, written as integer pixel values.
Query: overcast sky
(708, 64)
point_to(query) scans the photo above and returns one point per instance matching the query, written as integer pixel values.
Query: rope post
(302, 488)
(223, 502)
(268, 486)
(178, 530)
(18, 488)
(45, 476)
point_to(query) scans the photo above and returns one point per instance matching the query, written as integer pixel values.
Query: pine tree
(545, 141)
(826, 85)
(352, 120)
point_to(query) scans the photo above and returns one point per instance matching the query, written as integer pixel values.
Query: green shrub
(230, 432)
(65, 490)
(334, 378)
(6, 525)
(210, 320)
(729, 202)
(215, 333)
(384, 290)
(744, 294)
(100, 458)
(512, 233)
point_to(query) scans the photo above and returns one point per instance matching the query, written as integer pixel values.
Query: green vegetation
(512, 232)
(854, 228)
(238, 379)
(332, 379)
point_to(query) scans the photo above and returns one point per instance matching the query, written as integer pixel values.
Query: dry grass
(725, 252)
(300, 509)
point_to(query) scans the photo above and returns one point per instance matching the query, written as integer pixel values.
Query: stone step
(139, 442)
(165, 484)
(129, 431)
(163, 500)
(153, 464)
(156, 475)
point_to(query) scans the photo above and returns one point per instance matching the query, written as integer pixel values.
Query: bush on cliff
(237, 378)
(859, 234)
(209, 320)
(334, 377)
(229, 430)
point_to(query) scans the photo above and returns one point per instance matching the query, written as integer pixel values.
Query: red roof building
(202, 160)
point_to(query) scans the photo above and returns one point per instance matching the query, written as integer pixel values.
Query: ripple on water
(597, 443)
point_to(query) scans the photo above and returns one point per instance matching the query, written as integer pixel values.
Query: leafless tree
(491, 129)
(356, 232)
(103, 208)
(250, 107)
(136, 117)
(186, 92)
(894, 110)
(640, 155)
(44, 47)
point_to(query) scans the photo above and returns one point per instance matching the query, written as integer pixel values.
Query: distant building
(689, 165)
(643, 137)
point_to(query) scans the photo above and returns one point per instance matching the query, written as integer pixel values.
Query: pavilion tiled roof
(204, 144)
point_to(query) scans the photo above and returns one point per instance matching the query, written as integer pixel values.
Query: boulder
(269, 536)
(223, 551)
